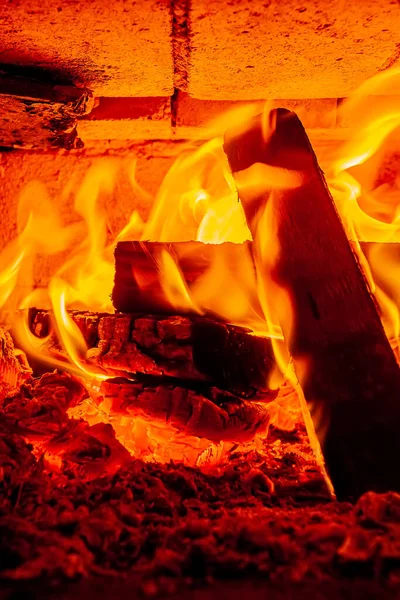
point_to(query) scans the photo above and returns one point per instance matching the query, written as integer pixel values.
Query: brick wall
(184, 60)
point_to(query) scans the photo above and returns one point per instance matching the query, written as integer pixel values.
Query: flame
(84, 279)
(368, 202)
(198, 200)
(174, 285)
(68, 332)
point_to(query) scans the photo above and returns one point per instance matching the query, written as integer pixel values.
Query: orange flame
(173, 283)
(370, 209)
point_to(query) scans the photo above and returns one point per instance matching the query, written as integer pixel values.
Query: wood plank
(343, 359)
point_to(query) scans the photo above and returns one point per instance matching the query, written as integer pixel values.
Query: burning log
(351, 374)
(189, 348)
(138, 286)
(211, 413)
(13, 368)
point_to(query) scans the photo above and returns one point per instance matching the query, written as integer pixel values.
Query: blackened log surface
(37, 115)
(214, 414)
(352, 376)
(137, 285)
(189, 348)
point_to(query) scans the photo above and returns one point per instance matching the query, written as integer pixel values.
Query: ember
(100, 512)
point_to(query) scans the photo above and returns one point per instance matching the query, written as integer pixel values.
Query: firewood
(40, 114)
(217, 416)
(188, 348)
(137, 285)
(344, 361)
(13, 368)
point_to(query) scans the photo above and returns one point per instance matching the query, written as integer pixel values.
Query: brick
(117, 48)
(252, 49)
(127, 119)
(314, 113)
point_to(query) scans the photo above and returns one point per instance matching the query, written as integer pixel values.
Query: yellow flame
(198, 188)
(367, 200)
(174, 286)
(68, 332)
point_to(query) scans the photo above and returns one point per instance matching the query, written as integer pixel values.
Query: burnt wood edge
(186, 348)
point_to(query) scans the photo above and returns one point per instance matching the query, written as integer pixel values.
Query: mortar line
(180, 13)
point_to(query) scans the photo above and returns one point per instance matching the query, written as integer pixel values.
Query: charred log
(352, 376)
(188, 348)
(220, 416)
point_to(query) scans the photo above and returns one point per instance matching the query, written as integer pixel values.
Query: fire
(84, 279)
(198, 201)
(368, 206)
(174, 285)
(68, 332)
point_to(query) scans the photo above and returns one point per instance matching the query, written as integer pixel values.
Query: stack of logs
(202, 376)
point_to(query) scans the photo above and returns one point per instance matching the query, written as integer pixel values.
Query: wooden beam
(344, 361)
